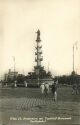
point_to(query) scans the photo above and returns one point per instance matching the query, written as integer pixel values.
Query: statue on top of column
(38, 34)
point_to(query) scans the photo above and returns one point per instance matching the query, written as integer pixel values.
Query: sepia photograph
(39, 62)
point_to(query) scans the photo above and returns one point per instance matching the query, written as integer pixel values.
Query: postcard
(39, 62)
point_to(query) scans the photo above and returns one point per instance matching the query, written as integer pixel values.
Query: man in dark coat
(54, 91)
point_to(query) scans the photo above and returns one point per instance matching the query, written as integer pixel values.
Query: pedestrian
(15, 83)
(79, 88)
(42, 87)
(46, 88)
(74, 89)
(54, 91)
(25, 83)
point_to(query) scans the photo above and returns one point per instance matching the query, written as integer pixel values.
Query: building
(10, 76)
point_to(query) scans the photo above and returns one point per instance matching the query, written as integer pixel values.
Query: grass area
(64, 93)
(29, 102)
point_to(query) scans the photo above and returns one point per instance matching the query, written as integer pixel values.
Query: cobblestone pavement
(17, 110)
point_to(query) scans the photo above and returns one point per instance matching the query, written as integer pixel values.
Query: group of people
(45, 89)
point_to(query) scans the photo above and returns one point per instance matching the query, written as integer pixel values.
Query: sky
(59, 24)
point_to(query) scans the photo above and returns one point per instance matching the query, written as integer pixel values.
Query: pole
(73, 58)
(14, 67)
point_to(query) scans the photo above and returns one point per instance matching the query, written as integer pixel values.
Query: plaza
(27, 106)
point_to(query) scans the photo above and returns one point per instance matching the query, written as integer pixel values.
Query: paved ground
(25, 106)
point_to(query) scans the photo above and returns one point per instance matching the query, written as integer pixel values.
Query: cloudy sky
(59, 23)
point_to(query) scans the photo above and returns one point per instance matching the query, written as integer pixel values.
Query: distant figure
(6, 84)
(74, 89)
(25, 83)
(42, 87)
(2, 84)
(46, 88)
(79, 88)
(15, 83)
(54, 91)
(56, 82)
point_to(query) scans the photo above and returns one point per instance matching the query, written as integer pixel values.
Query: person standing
(25, 83)
(15, 83)
(42, 87)
(74, 88)
(79, 88)
(54, 91)
(46, 88)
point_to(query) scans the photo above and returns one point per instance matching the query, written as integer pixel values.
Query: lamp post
(74, 45)
(14, 66)
(73, 59)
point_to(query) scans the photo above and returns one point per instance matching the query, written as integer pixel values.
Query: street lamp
(14, 66)
(74, 45)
